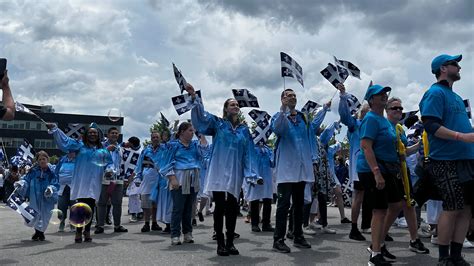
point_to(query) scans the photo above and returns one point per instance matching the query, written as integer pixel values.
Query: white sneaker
(188, 238)
(467, 244)
(402, 222)
(367, 231)
(175, 241)
(425, 232)
(315, 225)
(308, 231)
(133, 219)
(434, 240)
(328, 230)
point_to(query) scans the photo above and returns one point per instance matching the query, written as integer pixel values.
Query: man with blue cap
(451, 154)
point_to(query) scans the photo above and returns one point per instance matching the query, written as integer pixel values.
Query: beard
(454, 76)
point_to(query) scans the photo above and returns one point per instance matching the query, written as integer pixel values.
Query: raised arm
(8, 103)
(344, 111)
(64, 142)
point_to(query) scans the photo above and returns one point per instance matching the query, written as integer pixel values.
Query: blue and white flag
(25, 152)
(129, 161)
(183, 103)
(259, 116)
(467, 104)
(19, 204)
(353, 70)
(310, 107)
(409, 116)
(332, 74)
(179, 78)
(75, 130)
(164, 121)
(261, 132)
(245, 98)
(353, 103)
(21, 108)
(290, 68)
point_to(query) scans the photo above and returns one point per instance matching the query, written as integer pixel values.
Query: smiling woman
(230, 164)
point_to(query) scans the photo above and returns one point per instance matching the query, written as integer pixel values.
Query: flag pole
(284, 86)
(5, 152)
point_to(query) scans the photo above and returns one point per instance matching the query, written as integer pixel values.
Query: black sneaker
(232, 250)
(383, 250)
(146, 228)
(201, 217)
(41, 237)
(300, 242)
(446, 261)
(356, 235)
(346, 221)
(387, 255)
(155, 227)
(35, 237)
(193, 222)
(418, 247)
(99, 230)
(456, 261)
(290, 235)
(120, 229)
(280, 246)
(255, 228)
(167, 229)
(236, 235)
(378, 260)
(388, 238)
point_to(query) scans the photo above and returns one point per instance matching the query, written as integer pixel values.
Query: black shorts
(357, 185)
(380, 198)
(454, 194)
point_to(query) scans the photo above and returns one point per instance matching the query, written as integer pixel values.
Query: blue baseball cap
(375, 89)
(441, 59)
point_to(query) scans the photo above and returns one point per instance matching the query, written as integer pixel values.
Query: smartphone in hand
(3, 67)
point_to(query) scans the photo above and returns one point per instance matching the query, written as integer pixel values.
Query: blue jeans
(182, 209)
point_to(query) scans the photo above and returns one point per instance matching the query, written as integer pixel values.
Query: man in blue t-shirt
(451, 151)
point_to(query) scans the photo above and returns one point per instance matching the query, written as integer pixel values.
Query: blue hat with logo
(441, 59)
(375, 89)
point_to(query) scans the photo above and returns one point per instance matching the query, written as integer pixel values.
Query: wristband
(456, 136)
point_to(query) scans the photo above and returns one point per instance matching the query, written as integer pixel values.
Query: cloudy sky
(87, 57)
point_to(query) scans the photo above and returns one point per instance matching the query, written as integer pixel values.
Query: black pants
(306, 214)
(366, 213)
(323, 209)
(91, 203)
(226, 205)
(266, 212)
(295, 191)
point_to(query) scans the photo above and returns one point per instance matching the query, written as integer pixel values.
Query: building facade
(26, 126)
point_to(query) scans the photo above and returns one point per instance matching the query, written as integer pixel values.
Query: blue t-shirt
(378, 129)
(441, 102)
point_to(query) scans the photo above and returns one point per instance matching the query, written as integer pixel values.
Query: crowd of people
(300, 171)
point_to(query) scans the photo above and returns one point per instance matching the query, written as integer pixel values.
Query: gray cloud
(406, 21)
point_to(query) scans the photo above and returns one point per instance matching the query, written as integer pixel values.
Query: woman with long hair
(230, 164)
(91, 160)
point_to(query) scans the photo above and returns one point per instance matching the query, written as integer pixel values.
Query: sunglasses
(451, 63)
(396, 108)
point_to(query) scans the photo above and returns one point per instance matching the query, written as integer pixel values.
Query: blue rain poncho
(296, 146)
(262, 159)
(87, 178)
(230, 158)
(34, 186)
(353, 125)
